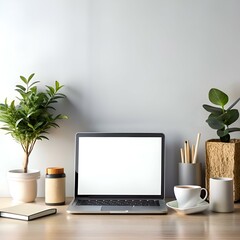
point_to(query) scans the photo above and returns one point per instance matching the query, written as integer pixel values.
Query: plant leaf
(30, 77)
(61, 116)
(215, 123)
(212, 109)
(21, 87)
(31, 126)
(58, 86)
(18, 121)
(33, 84)
(218, 97)
(222, 133)
(230, 116)
(24, 79)
(40, 137)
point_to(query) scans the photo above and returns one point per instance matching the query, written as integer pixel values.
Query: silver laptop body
(119, 173)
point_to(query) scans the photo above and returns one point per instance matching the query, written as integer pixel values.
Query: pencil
(196, 148)
(185, 152)
(182, 157)
(192, 153)
(188, 153)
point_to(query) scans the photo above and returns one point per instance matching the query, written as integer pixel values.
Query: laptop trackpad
(116, 208)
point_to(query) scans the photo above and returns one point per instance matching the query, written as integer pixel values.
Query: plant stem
(234, 104)
(25, 162)
(27, 151)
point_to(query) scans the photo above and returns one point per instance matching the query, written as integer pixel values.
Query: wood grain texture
(206, 225)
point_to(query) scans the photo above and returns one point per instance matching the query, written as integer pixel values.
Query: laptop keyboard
(121, 202)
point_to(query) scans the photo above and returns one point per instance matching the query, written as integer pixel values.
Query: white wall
(127, 65)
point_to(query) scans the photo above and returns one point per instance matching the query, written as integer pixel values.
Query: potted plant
(27, 120)
(223, 154)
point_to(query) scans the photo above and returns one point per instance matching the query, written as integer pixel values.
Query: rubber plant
(220, 118)
(29, 118)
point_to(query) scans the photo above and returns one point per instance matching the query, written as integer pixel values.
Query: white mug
(221, 194)
(189, 195)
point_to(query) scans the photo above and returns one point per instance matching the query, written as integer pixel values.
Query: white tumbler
(221, 194)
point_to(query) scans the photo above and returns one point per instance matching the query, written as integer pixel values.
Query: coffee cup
(189, 195)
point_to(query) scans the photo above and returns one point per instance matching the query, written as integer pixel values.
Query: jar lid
(54, 170)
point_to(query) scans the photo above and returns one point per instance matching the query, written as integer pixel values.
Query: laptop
(119, 173)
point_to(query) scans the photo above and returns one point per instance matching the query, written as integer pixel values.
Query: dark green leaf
(22, 93)
(214, 123)
(57, 97)
(51, 89)
(6, 129)
(21, 87)
(32, 84)
(52, 101)
(222, 133)
(230, 116)
(54, 124)
(50, 107)
(212, 109)
(40, 137)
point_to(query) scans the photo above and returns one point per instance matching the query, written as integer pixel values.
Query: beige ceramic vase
(23, 186)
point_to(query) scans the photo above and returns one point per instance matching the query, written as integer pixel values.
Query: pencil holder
(190, 174)
(55, 186)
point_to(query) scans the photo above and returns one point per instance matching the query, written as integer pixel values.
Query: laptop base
(73, 208)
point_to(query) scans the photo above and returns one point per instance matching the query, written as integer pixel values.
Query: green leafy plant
(32, 116)
(220, 118)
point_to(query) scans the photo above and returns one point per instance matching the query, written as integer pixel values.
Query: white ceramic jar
(221, 194)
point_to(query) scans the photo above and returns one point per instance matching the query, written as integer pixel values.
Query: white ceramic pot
(23, 186)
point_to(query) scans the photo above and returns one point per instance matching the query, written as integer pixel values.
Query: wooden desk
(61, 226)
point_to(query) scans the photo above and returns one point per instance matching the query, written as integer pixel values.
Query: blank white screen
(119, 165)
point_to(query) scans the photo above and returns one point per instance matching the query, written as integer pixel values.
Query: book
(27, 211)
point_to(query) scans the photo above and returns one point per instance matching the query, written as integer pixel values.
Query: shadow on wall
(172, 158)
(74, 106)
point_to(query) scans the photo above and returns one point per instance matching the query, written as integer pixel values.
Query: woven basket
(223, 160)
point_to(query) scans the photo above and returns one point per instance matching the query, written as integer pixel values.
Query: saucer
(198, 208)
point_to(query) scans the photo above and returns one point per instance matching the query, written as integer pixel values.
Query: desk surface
(206, 225)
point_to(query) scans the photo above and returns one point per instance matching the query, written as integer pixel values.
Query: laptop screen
(119, 164)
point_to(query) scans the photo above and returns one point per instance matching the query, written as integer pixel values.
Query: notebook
(27, 211)
(119, 173)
